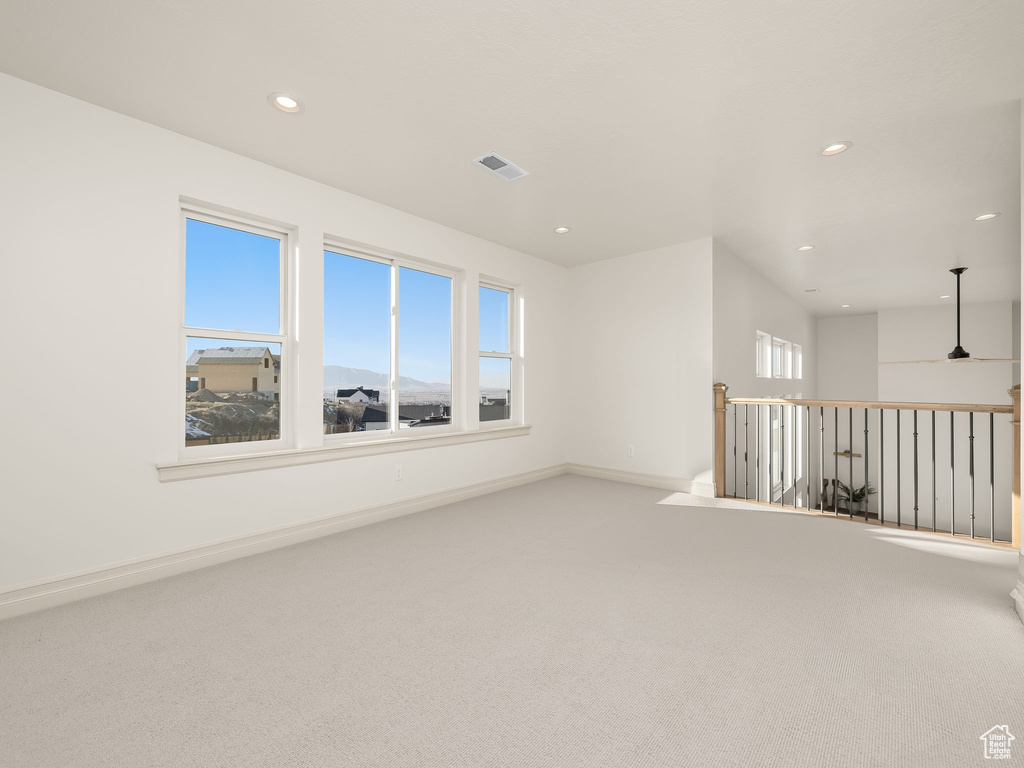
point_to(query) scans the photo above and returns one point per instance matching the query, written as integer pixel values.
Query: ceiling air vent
(501, 167)
(812, 290)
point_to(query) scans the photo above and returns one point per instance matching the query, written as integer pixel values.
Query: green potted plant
(856, 499)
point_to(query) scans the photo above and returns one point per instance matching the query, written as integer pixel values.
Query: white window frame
(396, 261)
(286, 323)
(780, 345)
(790, 358)
(763, 355)
(515, 352)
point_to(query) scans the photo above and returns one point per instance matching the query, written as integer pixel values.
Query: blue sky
(494, 334)
(232, 283)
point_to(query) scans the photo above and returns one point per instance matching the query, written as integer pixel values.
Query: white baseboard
(98, 581)
(681, 484)
(76, 586)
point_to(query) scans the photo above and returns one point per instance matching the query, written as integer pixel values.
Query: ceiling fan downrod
(958, 352)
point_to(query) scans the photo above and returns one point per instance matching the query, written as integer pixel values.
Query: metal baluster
(807, 457)
(992, 476)
(735, 476)
(881, 466)
(867, 475)
(850, 510)
(952, 475)
(915, 470)
(771, 454)
(821, 456)
(835, 454)
(781, 452)
(970, 440)
(933, 470)
(899, 474)
(746, 451)
(794, 436)
(757, 452)
(836, 466)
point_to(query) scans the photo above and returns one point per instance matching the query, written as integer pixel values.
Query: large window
(496, 353)
(233, 333)
(387, 344)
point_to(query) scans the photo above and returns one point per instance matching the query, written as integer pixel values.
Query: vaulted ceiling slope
(640, 124)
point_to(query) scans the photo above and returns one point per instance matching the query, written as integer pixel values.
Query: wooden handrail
(871, 404)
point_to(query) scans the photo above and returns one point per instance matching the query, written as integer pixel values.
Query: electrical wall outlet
(398, 472)
(630, 450)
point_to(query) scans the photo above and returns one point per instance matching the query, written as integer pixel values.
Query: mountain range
(340, 377)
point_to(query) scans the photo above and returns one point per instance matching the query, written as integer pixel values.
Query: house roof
(377, 415)
(350, 392)
(227, 356)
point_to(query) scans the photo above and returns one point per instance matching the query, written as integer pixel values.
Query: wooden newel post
(720, 390)
(1015, 504)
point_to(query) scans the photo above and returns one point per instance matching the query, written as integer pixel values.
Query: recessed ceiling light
(844, 306)
(561, 230)
(947, 296)
(985, 216)
(286, 102)
(837, 147)
(805, 247)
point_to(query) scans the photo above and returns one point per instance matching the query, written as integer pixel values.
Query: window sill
(229, 465)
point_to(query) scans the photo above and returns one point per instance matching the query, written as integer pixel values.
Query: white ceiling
(641, 124)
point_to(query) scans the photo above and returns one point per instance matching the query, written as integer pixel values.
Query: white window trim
(232, 458)
(286, 308)
(790, 358)
(515, 353)
(396, 261)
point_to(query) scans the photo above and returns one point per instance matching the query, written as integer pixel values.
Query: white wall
(641, 355)
(746, 302)
(926, 333)
(848, 358)
(91, 303)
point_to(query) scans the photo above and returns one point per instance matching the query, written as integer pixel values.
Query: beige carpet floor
(571, 622)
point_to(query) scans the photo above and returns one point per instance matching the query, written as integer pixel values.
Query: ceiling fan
(959, 354)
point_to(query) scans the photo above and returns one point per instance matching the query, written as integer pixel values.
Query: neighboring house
(234, 369)
(486, 400)
(495, 408)
(423, 415)
(359, 395)
(377, 418)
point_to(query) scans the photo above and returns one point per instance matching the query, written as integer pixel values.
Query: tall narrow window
(357, 344)
(424, 348)
(233, 331)
(763, 355)
(496, 354)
